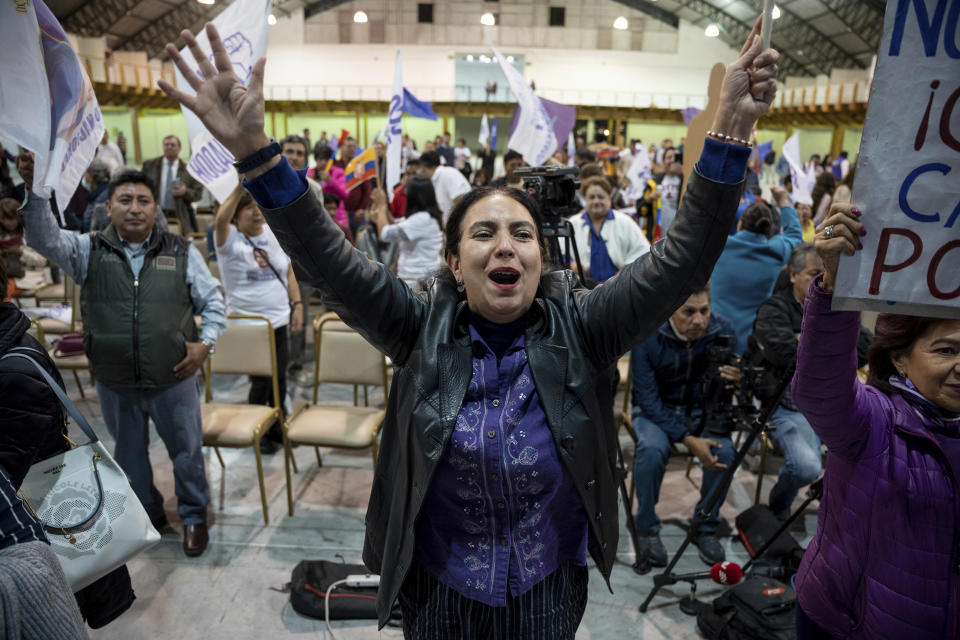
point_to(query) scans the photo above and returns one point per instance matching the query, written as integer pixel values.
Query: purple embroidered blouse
(501, 513)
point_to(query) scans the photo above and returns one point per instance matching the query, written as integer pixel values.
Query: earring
(459, 286)
(903, 374)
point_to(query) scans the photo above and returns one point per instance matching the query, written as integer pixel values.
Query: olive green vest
(134, 328)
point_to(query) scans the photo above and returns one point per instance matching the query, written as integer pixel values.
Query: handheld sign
(908, 175)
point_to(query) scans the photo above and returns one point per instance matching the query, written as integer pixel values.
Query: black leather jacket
(572, 337)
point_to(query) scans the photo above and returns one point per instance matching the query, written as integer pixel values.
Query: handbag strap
(24, 353)
(263, 254)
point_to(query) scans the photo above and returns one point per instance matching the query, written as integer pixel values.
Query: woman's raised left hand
(839, 233)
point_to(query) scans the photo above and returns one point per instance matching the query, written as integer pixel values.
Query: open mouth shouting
(504, 277)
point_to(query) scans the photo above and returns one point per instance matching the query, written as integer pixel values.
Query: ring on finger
(828, 231)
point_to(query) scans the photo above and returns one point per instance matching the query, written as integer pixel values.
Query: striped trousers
(551, 610)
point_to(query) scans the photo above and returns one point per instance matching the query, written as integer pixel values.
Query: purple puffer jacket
(883, 563)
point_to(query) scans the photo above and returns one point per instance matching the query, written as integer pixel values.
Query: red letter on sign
(880, 267)
(932, 272)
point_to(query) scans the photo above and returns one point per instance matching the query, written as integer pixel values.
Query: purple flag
(562, 117)
(689, 114)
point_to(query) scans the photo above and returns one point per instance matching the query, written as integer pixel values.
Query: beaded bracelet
(726, 138)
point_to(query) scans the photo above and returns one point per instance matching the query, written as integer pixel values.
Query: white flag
(394, 131)
(47, 104)
(533, 136)
(571, 149)
(243, 29)
(802, 181)
(638, 174)
(484, 131)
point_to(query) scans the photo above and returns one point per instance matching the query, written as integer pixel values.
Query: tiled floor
(235, 590)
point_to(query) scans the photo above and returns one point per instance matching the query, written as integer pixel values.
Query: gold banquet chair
(341, 356)
(243, 349)
(52, 326)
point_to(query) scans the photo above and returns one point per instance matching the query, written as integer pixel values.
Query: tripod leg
(721, 490)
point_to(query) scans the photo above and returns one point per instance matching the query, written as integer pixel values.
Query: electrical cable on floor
(326, 607)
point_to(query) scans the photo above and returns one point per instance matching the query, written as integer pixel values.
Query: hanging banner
(40, 69)
(908, 178)
(243, 29)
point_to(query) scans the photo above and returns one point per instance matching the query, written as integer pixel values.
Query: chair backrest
(246, 348)
(72, 292)
(175, 226)
(343, 356)
(204, 220)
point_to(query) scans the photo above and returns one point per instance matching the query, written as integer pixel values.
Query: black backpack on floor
(308, 590)
(756, 609)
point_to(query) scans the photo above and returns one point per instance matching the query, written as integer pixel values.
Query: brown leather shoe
(195, 539)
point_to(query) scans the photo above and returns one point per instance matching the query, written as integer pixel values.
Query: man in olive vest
(140, 290)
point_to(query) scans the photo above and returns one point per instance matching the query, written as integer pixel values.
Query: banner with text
(47, 104)
(908, 178)
(243, 29)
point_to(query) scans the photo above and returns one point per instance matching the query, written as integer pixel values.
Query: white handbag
(83, 500)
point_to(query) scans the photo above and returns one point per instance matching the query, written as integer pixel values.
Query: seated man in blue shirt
(668, 369)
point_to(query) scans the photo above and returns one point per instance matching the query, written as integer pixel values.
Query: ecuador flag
(361, 168)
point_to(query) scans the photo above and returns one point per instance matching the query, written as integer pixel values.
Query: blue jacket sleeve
(278, 187)
(791, 233)
(646, 395)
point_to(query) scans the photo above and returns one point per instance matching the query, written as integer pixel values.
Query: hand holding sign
(839, 233)
(754, 73)
(231, 112)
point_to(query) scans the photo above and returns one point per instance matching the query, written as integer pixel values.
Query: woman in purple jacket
(884, 562)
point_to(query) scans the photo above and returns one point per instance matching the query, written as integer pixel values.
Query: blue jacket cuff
(723, 162)
(278, 187)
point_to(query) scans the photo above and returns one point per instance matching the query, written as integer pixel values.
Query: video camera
(555, 190)
(726, 406)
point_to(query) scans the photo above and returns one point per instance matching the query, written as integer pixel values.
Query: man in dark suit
(176, 188)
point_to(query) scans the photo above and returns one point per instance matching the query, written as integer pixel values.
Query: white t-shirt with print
(419, 239)
(251, 286)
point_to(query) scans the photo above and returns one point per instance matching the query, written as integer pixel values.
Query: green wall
(654, 132)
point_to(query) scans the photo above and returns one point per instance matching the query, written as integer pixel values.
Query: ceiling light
(712, 31)
(206, 1)
(271, 20)
(620, 23)
(485, 59)
(469, 57)
(360, 17)
(488, 20)
(510, 59)
(606, 132)
(776, 12)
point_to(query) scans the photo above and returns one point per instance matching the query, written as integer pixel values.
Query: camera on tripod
(728, 407)
(555, 190)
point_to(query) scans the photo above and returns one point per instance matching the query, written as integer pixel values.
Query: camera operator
(668, 371)
(776, 333)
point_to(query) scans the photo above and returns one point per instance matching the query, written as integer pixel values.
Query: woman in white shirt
(258, 279)
(418, 234)
(607, 240)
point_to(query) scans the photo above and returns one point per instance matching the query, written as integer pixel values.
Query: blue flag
(761, 151)
(493, 136)
(417, 108)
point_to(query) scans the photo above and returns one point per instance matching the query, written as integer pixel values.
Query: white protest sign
(801, 180)
(243, 29)
(908, 176)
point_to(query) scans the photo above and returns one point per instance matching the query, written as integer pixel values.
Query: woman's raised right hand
(231, 112)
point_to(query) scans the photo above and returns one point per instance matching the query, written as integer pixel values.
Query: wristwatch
(210, 345)
(254, 160)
